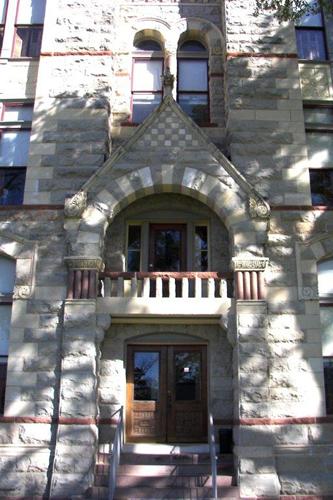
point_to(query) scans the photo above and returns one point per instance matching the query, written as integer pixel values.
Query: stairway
(165, 471)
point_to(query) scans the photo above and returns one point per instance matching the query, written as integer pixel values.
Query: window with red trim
(7, 280)
(3, 10)
(192, 88)
(325, 288)
(147, 73)
(15, 128)
(29, 28)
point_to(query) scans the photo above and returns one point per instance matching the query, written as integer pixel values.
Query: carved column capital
(75, 205)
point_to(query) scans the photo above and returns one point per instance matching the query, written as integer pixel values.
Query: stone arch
(200, 29)
(224, 196)
(151, 27)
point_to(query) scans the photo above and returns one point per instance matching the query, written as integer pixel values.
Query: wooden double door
(166, 394)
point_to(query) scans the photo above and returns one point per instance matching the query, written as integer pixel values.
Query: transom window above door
(173, 247)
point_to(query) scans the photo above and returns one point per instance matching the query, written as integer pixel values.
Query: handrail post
(212, 450)
(115, 451)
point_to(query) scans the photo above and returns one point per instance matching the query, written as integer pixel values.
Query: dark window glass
(321, 187)
(146, 376)
(143, 105)
(1, 37)
(134, 248)
(318, 116)
(149, 45)
(12, 185)
(201, 248)
(187, 376)
(3, 375)
(28, 41)
(311, 44)
(192, 46)
(328, 377)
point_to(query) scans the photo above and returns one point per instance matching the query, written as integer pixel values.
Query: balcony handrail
(167, 274)
(115, 451)
(212, 452)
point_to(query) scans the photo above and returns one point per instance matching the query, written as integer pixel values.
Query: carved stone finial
(168, 80)
(258, 207)
(75, 206)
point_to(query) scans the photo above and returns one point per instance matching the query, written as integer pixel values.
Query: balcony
(203, 294)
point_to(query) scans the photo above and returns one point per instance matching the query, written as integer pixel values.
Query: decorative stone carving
(308, 293)
(259, 264)
(168, 80)
(198, 181)
(258, 207)
(84, 263)
(75, 205)
(103, 209)
(22, 292)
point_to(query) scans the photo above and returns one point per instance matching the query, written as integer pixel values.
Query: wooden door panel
(176, 410)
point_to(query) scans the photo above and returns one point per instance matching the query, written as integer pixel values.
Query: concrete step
(179, 493)
(179, 458)
(164, 481)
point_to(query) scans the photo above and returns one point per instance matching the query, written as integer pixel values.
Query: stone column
(77, 434)
(254, 447)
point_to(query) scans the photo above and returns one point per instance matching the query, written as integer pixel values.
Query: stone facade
(91, 173)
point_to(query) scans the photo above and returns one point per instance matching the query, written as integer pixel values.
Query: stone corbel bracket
(258, 207)
(250, 284)
(75, 205)
(82, 277)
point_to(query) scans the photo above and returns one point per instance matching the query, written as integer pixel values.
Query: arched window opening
(7, 280)
(147, 74)
(325, 289)
(192, 88)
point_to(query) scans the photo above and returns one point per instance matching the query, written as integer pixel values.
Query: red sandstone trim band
(5, 208)
(110, 421)
(319, 208)
(267, 55)
(78, 53)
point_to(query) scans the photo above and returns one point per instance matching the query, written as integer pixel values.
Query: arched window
(7, 280)
(192, 88)
(325, 288)
(146, 78)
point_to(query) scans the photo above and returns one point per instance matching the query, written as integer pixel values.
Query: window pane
(310, 44)
(1, 37)
(311, 19)
(318, 115)
(147, 75)
(150, 45)
(7, 275)
(320, 148)
(196, 106)
(2, 11)
(328, 377)
(326, 320)
(12, 182)
(146, 376)
(321, 187)
(31, 12)
(134, 237)
(17, 112)
(192, 76)
(143, 105)
(28, 42)
(201, 242)
(14, 148)
(187, 376)
(192, 46)
(3, 375)
(325, 278)
(5, 315)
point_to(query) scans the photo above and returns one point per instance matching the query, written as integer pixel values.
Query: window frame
(14, 126)
(323, 128)
(184, 55)
(304, 28)
(29, 27)
(3, 24)
(5, 300)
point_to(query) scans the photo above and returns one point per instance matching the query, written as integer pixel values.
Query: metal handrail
(212, 452)
(115, 450)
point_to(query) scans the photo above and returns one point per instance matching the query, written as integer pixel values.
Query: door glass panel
(167, 250)
(146, 376)
(187, 376)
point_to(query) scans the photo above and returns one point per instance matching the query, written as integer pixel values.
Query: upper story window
(3, 10)
(310, 37)
(192, 89)
(325, 288)
(29, 28)
(319, 136)
(7, 280)
(15, 128)
(146, 78)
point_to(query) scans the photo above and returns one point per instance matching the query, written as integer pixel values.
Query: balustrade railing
(197, 285)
